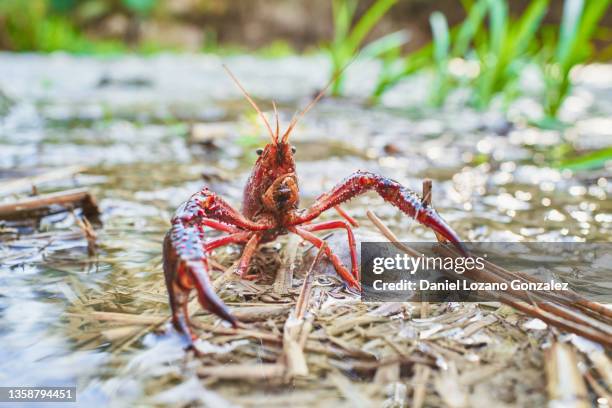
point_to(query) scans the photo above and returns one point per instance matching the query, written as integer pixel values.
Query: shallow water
(128, 122)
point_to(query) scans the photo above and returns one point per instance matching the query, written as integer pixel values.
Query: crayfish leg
(247, 255)
(344, 273)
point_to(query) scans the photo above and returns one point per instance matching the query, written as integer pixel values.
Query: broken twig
(47, 204)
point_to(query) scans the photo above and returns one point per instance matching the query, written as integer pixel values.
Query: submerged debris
(48, 204)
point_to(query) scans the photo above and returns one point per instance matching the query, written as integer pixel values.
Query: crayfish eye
(259, 151)
(293, 149)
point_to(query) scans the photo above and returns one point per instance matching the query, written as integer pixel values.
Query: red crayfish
(269, 209)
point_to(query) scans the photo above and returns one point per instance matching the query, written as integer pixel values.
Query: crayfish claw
(430, 218)
(206, 294)
(185, 269)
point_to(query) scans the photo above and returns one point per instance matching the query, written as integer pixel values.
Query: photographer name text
(423, 284)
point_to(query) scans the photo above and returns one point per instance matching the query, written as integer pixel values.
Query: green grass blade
(492, 63)
(469, 28)
(409, 65)
(386, 44)
(441, 38)
(498, 19)
(570, 23)
(578, 24)
(594, 11)
(589, 161)
(527, 26)
(467, 4)
(366, 23)
(343, 11)
(441, 48)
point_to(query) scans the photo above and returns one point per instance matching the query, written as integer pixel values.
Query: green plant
(140, 7)
(578, 24)
(33, 26)
(589, 161)
(51, 25)
(21, 22)
(502, 53)
(395, 69)
(349, 38)
(446, 44)
(441, 54)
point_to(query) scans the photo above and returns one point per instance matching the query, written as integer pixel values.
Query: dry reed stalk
(296, 328)
(348, 390)
(53, 203)
(593, 314)
(398, 394)
(262, 336)
(449, 388)
(426, 200)
(541, 305)
(293, 352)
(125, 318)
(89, 232)
(301, 305)
(565, 384)
(386, 374)
(227, 276)
(284, 277)
(602, 365)
(373, 364)
(597, 388)
(259, 313)
(119, 333)
(130, 340)
(476, 326)
(480, 374)
(420, 379)
(350, 349)
(558, 321)
(590, 309)
(243, 371)
(350, 322)
(562, 316)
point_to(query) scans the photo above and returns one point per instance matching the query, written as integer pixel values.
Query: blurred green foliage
(503, 52)
(446, 44)
(140, 6)
(441, 56)
(487, 35)
(53, 25)
(593, 160)
(501, 46)
(573, 46)
(349, 36)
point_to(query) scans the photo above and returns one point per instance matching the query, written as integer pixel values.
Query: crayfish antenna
(277, 122)
(312, 103)
(252, 102)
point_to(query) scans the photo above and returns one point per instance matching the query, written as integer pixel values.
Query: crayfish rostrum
(270, 207)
